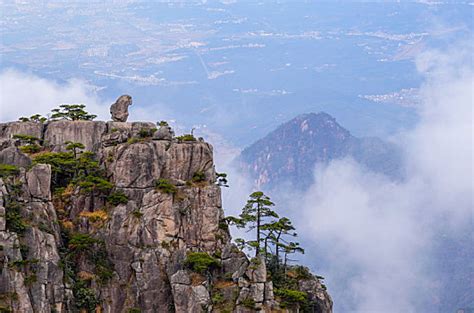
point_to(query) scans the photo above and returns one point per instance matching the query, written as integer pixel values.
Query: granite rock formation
(66, 250)
(119, 110)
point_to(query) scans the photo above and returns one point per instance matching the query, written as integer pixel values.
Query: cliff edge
(122, 217)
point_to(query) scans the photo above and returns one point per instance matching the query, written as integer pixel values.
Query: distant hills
(289, 154)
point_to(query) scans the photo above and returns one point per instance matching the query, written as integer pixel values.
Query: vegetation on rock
(272, 242)
(15, 222)
(198, 177)
(72, 112)
(221, 180)
(117, 198)
(201, 262)
(146, 132)
(8, 170)
(186, 137)
(29, 144)
(255, 215)
(76, 167)
(165, 186)
(85, 298)
(36, 118)
(290, 297)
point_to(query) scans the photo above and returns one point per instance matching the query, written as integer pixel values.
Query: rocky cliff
(120, 237)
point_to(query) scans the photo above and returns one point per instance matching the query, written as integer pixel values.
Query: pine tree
(255, 215)
(276, 233)
(72, 112)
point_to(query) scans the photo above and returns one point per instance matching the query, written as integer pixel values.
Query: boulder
(10, 154)
(119, 110)
(38, 182)
(163, 133)
(188, 298)
(257, 270)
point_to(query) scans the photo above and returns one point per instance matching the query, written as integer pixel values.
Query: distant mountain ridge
(288, 154)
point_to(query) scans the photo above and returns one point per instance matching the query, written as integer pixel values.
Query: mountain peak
(311, 122)
(289, 153)
(320, 115)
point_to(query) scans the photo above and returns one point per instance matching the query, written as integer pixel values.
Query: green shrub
(186, 137)
(27, 138)
(249, 303)
(76, 167)
(165, 186)
(104, 270)
(8, 170)
(131, 141)
(200, 262)
(84, 297)
(303, 272)
(95, 252)
(198, 177)
(81, 242)
(21, 264)
(30, 280)
(63, 166)
(30, 149)
(290, 297)
(92, 183)
(218, 298)
(117, 198)
(146, 132)
(223, 225)
(163, 123)
(14, 220)
(137, 213)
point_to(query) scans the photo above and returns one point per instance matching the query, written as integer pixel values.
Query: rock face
(119, 109)
(63, 249)
(88, 133)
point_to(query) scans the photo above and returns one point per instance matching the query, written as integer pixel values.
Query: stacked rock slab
(146, 239)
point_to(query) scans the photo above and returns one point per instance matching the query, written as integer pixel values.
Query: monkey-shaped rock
(119, 109)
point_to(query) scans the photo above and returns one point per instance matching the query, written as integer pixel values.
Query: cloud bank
(377, 238)
(25, 94)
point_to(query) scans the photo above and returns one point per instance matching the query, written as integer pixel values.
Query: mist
(384, 245)
(375, 240)
(24, 94)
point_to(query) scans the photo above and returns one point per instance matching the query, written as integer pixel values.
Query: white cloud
(24, 94)
(377, 235)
